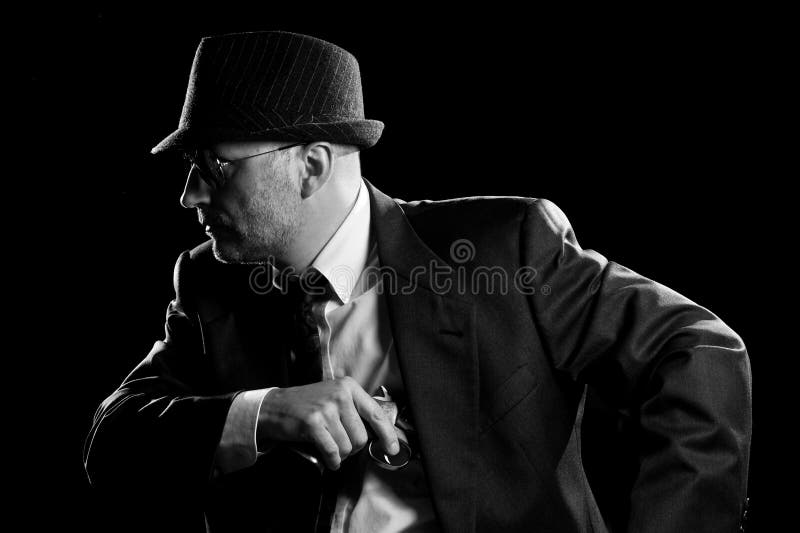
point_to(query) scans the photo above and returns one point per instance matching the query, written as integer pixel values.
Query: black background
(654, 132)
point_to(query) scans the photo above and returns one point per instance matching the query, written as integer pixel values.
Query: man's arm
(160, 430)
(164, 428)
(683, 374)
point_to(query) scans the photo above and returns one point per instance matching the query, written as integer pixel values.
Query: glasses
(212, 168)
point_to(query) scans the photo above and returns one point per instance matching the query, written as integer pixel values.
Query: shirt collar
(344, 256)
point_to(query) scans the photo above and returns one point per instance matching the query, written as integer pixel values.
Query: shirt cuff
(237, 447)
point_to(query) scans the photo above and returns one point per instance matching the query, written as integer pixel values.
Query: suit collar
(400, 248)
(434, 335)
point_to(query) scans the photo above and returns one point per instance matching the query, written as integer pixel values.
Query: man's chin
(229, 253)
(224, 250)
(221, 254)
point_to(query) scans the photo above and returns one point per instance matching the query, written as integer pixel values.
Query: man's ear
(317, 167)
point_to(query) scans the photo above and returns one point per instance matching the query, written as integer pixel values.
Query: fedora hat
(272, 85)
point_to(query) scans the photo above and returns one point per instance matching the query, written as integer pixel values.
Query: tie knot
(309, 287)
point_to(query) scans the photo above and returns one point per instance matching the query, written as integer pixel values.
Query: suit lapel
(433, 332)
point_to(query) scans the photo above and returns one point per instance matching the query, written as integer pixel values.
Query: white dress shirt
(355, 341)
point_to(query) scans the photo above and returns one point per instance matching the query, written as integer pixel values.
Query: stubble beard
(269, 226)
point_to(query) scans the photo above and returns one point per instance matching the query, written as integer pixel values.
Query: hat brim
(364, 133)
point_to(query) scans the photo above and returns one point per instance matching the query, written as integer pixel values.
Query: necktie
(306, 367)
(304, 293)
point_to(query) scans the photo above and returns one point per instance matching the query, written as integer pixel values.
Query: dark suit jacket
(494, 374)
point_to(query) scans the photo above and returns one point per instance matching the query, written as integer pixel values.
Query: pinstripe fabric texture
(272, 85)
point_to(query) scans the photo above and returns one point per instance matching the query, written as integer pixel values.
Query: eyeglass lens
(207, 166)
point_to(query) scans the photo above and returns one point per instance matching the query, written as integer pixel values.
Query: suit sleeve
(682, 373)
(158, 432)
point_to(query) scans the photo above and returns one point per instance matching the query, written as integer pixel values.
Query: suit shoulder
(546, 212)
(197, 263)
(199, 258)
(494, 226)
(492, 207)
(202, 252)
(486, 212)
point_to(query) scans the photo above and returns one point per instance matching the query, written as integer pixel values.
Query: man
(336, 360)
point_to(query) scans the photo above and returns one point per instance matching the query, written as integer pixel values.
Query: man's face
(256, 214)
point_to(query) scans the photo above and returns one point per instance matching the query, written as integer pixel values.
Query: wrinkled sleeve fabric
(159, 431)
(682, 373)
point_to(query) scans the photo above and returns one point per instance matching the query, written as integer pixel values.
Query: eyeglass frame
(216, 179)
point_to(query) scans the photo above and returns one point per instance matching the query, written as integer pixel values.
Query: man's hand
(330, 415)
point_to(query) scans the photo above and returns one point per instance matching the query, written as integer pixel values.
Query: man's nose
(197, 191)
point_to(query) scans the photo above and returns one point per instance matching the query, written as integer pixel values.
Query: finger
(340, 436)
(354, 426)
(372, 412)
(326, 445)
